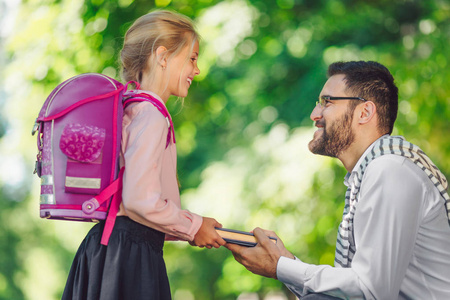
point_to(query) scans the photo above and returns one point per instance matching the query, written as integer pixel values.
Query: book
(242, 238)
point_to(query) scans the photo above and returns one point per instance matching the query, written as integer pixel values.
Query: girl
(160, 52)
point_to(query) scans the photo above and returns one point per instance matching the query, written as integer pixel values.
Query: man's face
(334, 121)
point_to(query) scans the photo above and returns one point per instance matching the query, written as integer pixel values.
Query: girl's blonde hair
(158, 28)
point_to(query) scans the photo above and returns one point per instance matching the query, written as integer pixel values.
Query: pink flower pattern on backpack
(82, 143)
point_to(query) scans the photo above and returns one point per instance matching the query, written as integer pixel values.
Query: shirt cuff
(292, 271)
(196, 224)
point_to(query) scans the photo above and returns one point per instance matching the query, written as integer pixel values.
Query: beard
(335, 138)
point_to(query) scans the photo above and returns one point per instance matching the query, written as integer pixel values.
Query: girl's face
(182, 72)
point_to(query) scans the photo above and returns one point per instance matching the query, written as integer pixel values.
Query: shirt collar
(133, 93)
(154, 95)
(349, 176)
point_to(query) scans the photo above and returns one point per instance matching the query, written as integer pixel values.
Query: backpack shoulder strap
(114, 207)
(134, 96)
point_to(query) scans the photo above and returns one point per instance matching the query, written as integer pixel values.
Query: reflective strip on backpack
(47, 180)
(83, 183)
(47, 199)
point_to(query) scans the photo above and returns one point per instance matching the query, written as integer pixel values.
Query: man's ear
(367, 112)
(161, 56)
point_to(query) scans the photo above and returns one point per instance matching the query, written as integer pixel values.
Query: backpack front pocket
(83, 146)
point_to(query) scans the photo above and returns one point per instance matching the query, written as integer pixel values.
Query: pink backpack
(79, 134)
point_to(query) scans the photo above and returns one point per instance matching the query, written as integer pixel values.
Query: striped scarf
(345, 245)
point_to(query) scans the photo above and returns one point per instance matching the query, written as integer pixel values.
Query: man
(394, 238)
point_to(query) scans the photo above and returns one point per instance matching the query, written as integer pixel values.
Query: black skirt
(130, 267)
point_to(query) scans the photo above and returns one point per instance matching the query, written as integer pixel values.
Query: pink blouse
(150, 193)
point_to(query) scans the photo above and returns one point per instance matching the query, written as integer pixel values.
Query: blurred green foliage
(242, 133)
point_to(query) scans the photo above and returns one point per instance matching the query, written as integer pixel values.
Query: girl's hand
(207, 235)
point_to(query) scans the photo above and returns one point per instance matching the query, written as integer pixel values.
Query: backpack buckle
(90, 206)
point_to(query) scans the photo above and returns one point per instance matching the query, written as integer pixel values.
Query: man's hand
(263, 258)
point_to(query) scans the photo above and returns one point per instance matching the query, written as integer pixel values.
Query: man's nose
(316, 114)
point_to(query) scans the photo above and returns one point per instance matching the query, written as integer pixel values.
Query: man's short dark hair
(371, 81)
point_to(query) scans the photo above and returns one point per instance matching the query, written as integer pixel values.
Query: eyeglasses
(323, 99)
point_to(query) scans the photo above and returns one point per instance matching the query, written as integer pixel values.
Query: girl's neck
(155, 84)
